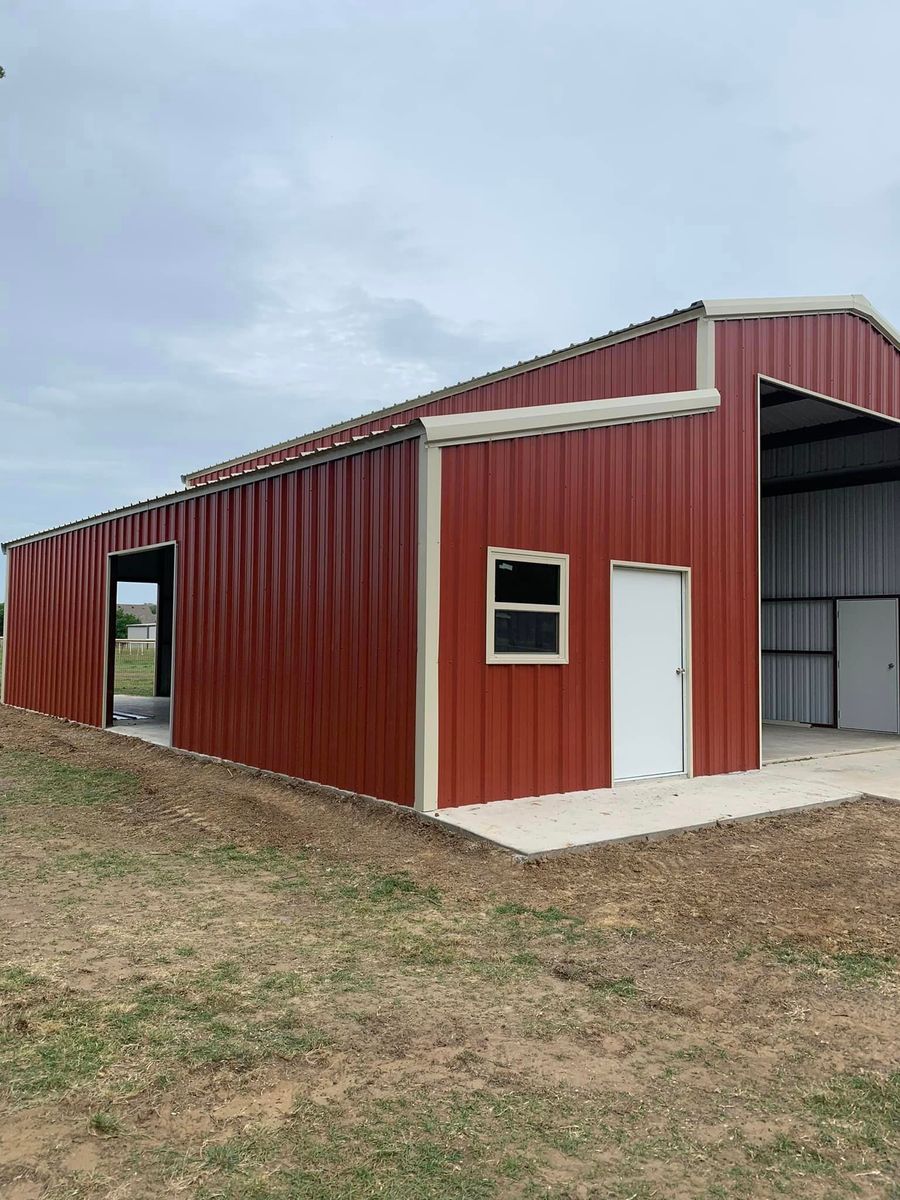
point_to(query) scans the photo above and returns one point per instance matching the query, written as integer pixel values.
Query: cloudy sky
(225, 223)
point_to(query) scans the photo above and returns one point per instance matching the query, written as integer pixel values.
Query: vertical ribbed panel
(673, 492)
(797, 625)
(798, 688)
(842, 542)
(295, 635)
(682, 492)
(663, 361)
(798, 663)
(874, 449)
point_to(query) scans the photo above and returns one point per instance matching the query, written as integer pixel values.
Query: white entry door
(648, 672)
(868, 697)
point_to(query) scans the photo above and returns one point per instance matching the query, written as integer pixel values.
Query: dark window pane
(525, 582)
(526, 632)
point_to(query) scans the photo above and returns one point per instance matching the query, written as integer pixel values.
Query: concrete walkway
(537, 826)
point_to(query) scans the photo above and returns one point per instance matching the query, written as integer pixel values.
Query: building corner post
(706, 353)
(428, 625)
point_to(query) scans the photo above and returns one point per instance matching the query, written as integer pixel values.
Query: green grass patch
(860, 1111)
(36, 779)
(400, 886)
(853, 967)
(210, 1018)
(104, 1123)
(16, 980)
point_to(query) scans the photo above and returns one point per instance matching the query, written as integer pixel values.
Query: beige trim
(614, 337)
(428, 633)
(703, 311)
(459, 428)
(706, 353)
(449, 430)
(810, 394)
(800, 306)
(687, 678)
(492, 657)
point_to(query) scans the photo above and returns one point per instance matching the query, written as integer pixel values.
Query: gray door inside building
(868, 696)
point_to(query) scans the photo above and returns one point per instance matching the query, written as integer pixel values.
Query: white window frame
(496, 553)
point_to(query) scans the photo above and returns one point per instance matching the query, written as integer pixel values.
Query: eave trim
(803, 306)
(461, 428)
(654, 325)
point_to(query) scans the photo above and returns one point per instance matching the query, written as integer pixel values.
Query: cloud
(229, 222)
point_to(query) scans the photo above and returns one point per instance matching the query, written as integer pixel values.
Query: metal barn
(609, 563)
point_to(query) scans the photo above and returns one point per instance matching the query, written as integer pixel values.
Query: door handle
(683, 670)
(890, 666)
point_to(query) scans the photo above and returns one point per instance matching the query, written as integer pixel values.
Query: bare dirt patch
(219, 985)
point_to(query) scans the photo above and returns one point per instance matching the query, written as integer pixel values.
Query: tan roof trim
(705, 310)
(803, 306)
(457, 429)
(526, 421)
(653, 325)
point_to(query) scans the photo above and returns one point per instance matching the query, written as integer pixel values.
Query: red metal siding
(680, 492)
(664, 361)
(295, 636)
(840, 356)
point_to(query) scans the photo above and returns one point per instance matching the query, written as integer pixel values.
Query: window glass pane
(526, 582)
(526, 632)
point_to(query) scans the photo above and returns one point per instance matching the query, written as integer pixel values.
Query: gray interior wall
(840, 542)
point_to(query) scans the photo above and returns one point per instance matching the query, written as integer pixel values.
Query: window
(527, 607)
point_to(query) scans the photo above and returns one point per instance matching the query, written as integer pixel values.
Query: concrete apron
(538, 826)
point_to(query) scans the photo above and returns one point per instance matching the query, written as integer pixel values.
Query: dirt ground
(216, 984)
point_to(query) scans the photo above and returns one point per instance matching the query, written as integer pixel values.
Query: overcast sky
(226, 223)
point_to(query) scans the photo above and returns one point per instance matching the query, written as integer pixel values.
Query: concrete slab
(151, 713)
(539, 825)
(786, 743)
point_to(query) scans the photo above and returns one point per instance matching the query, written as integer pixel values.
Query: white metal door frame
(687, 651)
(110, 601)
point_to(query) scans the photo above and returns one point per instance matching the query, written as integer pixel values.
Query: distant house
(141, 633)
(145, 614)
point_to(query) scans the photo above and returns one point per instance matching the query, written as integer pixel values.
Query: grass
(853, 967)
(135, 669)
(253, 1023)
(36, 779)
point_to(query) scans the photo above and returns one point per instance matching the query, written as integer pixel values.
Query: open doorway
(829, 575)
(140, 639)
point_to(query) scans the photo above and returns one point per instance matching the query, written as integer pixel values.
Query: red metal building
(541, 581)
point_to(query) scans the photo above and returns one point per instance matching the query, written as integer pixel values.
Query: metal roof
(530, 364)
(855, 304)
(290, 462)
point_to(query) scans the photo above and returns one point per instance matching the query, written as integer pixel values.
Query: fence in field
(135, 667)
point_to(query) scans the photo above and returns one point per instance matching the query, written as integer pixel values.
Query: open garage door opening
(139, 651)
(830, 575)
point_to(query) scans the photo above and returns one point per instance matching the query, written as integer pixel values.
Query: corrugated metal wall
(842, 542)
(682, 492)
(844, 357)
(798, 662)
(295, 640)
(664, 361)
(676, 492)
(835, 454)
